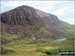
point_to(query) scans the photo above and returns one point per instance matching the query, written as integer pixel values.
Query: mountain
(21, 20)
(30, 22)
(53, 21)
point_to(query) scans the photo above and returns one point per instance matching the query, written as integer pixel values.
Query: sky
(64, 10)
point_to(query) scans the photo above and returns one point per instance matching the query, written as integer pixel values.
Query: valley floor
(37, 47)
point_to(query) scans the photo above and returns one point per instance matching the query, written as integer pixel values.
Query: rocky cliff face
(27, 21)
(21, 20)
(20, 16)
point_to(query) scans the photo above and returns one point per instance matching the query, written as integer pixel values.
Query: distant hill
(30, 22)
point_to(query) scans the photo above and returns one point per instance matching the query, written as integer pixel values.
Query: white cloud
(62, 11)
(70, 20)
(45, 9)
(14, 4)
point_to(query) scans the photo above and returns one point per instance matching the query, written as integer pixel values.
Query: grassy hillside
(29, 46)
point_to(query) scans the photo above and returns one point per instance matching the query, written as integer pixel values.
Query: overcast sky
(63, 9)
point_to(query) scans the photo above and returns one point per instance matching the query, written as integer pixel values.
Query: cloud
(62, 11)
(13, 3)
(45, 5)
(8, 5)
(70, 20)
(46, 8)
(36, 4)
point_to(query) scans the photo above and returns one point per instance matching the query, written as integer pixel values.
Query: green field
(29, 46)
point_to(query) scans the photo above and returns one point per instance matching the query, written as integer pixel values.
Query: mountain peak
(24, 6)
(20, 15)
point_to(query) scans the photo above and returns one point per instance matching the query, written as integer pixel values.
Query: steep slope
(52, 20)
(20, 16)
(21, 20)
(26, 22)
